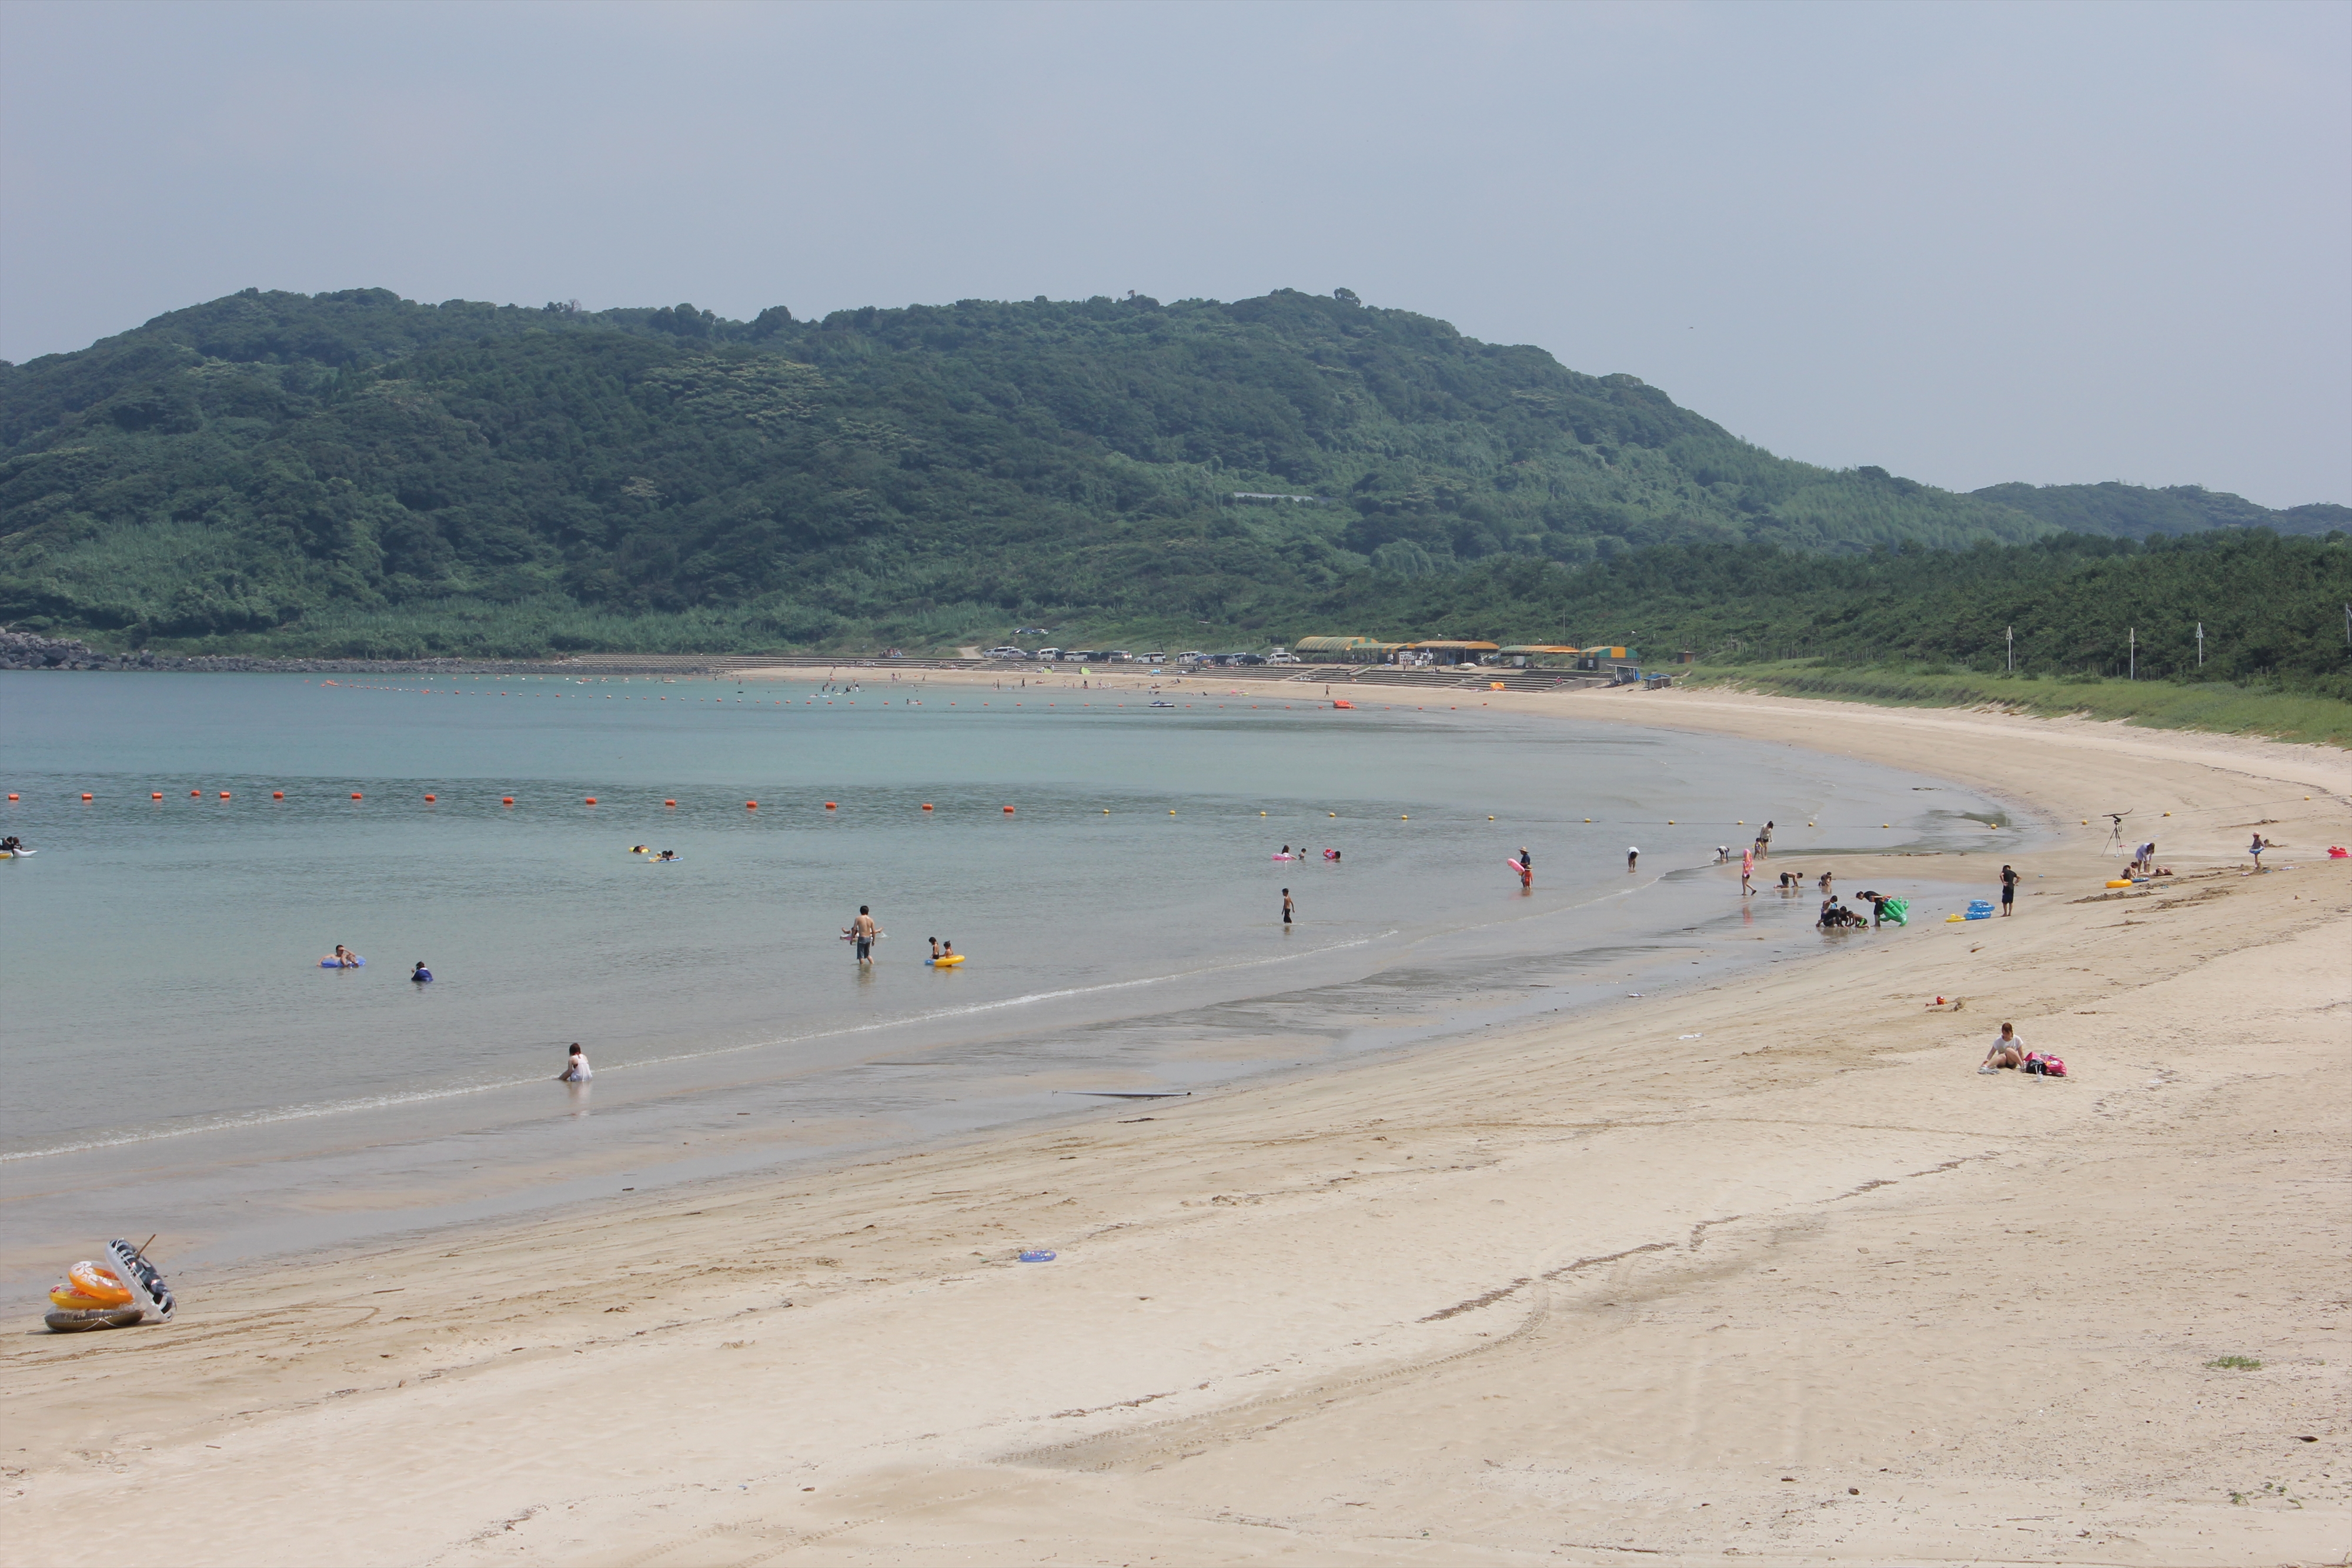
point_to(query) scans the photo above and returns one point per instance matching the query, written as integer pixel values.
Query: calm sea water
(175, 1056)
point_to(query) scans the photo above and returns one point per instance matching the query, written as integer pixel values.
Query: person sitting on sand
(2007, 1051)
(576, 1067)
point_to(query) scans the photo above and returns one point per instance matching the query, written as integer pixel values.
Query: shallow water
(174, 1057)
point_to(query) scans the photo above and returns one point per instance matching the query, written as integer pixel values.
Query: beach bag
(2047, 1066)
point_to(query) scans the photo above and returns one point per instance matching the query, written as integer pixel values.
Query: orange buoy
(355, 794)
(751, 805)
(278, 794)
(85, 794)
(669, 802)
(193, 793)
(926, 805)
(159, 797)
(224, 794)
(591, 800)
(1008, 810)
(430, 798)
(506, 799)
(829, 806)
(151, 795)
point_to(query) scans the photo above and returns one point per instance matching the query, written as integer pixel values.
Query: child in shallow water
(575, 1068)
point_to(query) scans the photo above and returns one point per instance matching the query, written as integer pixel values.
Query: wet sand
(1760, 1269)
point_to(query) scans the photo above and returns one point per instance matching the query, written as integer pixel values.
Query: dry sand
(1766, 1271)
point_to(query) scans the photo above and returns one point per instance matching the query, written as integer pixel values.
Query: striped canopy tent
(1453, 651)
(1530, 648)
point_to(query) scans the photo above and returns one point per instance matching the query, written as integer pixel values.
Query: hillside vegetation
(358, 474)
(2273, 609)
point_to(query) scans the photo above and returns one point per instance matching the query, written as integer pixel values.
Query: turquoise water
(173, 1047)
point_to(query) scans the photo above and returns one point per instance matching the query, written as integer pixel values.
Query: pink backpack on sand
(2048, 1066)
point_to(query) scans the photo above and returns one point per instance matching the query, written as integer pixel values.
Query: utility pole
(2134, 656)
(2200, 636)
(2012, 650)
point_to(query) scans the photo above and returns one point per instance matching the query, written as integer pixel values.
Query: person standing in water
(1632, 856)
(1287, 909)
(861, 936)
(421, 975)
(1747, 873)
(1764, 841)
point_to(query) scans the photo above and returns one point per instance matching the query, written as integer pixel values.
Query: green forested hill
(354, 473)
(2136, 512)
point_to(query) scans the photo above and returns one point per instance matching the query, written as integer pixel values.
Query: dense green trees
(352, 472)
(2273, 608)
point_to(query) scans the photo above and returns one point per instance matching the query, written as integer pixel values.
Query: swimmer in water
(576, 1067)
(421, 975)
(667, 855)
(935, 948)
(345, 958)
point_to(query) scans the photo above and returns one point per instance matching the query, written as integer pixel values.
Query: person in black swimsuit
(2008, 890)
(1286, 906)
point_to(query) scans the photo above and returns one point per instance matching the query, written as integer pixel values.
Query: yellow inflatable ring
(66, 1298)
(104, 1284)
(2120, 882)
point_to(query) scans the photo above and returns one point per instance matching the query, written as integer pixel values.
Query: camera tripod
(2116, 845)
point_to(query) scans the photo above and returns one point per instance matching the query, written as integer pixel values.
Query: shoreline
(1540, 1293)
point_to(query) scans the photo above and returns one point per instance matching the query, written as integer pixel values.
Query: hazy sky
(1969, 243)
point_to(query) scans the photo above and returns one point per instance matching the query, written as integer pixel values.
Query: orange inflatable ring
(104, 1284)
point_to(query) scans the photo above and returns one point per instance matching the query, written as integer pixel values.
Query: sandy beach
(1765, 1269)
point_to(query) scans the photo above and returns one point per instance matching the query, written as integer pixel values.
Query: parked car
(1120, 656)
(1283, 659)
(1246, 658)
(1195, 657)
(1160, 658)
(1047, 653)
(1006, 651)
(1030, 630)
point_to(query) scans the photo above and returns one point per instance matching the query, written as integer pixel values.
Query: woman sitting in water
(575, 1068)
